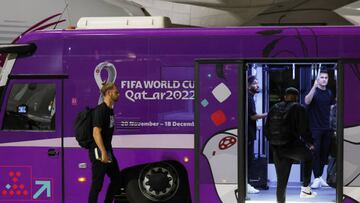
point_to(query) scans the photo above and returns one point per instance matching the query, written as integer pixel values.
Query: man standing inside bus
(319, 101)
(101, 153)
(253, 87)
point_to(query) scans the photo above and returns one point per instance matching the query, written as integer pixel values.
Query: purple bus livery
(178, 116)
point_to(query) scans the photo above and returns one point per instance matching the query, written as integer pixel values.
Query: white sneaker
(307, 193)
(323, 183)
(316, 184)
(251, 189)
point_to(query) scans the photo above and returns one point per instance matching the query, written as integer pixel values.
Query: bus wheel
(157, 182)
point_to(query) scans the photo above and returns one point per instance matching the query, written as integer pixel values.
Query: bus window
(30, 106)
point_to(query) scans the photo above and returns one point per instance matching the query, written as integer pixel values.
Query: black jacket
(299, 123)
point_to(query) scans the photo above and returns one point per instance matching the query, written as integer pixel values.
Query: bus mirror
(19, 49)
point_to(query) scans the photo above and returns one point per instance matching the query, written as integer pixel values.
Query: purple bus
(182, 106)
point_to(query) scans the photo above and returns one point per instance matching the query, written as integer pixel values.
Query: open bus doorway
(273, 78)
(221, 128)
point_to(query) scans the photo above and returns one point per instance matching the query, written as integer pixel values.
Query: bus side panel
(78, 167)
(141, 113)
(24, 179)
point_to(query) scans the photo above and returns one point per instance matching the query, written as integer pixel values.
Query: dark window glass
(30, 106)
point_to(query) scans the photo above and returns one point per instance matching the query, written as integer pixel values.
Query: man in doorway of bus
(101, 153)
(253, 87)
(294, 144)
(319, 101)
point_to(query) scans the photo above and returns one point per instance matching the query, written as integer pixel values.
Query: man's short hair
(292, 91)
(324, 71)
(251, 79)
(106, 87)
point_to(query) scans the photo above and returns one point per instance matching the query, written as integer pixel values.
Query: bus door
(348, 127)
(220, 125)
(31, 140)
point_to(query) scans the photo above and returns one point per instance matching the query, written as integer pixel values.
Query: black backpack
(277, 128)
(83, 128)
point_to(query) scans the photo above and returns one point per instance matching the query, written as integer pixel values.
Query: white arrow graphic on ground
(45, 186)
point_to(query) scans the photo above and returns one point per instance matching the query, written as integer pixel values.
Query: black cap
(291, 91)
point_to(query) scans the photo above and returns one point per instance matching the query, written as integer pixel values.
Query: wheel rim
(159, 182)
